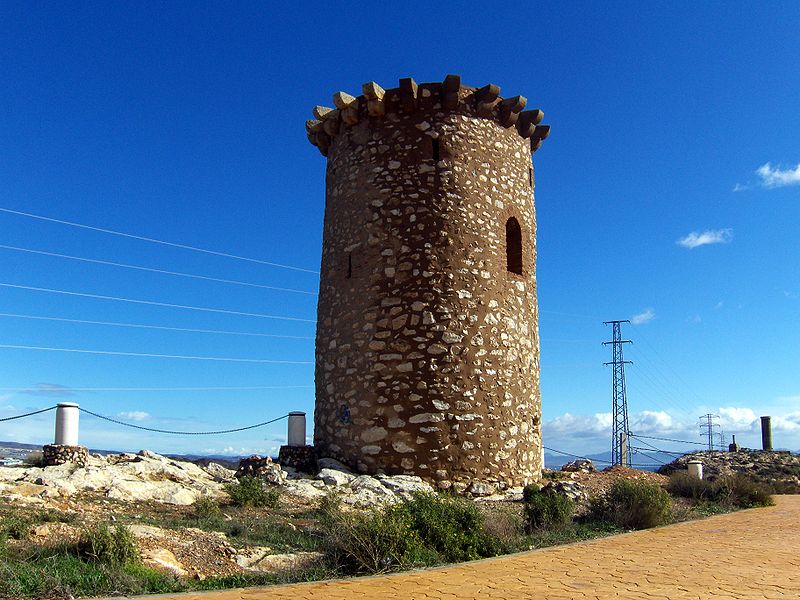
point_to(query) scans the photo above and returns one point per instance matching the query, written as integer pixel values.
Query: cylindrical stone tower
(427, 349)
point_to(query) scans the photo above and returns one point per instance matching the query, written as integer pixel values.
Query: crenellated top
(409, 97)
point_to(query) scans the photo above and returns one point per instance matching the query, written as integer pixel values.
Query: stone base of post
(302, 458)
(59, 454)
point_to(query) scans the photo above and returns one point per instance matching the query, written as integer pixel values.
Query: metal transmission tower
(707, 424)
(723, 446)
(620, 431)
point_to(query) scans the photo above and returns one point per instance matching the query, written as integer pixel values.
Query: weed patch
(252, 491)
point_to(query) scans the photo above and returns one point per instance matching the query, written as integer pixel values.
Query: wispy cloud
(704, 238)
(643, 317)
(772, 177)
(134, 415)
(49, 389)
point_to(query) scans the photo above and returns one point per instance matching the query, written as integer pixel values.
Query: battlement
(449, 96)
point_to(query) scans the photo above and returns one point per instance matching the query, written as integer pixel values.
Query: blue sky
(668, 193)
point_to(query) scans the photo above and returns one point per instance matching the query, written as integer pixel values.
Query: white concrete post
(696, 469)
(67, 415)
(297, 429)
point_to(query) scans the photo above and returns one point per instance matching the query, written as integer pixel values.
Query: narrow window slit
(350, 265)
(435, 145)
(513, 246)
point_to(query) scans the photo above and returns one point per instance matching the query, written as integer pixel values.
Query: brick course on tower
(427, 348)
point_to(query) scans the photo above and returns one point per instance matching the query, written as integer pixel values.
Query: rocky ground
(779, 471)
(157, 498)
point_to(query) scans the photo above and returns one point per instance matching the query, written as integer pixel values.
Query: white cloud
(777, 177)
(643, 317)
(580, 425)
(651, 422)
(737, 419)
(709, 236)
(134, 415)
(741, 188)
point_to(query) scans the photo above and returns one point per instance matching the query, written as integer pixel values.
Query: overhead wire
(153, 270)
(159, 327)
(577, 456)
(155, 241)
(148, 355)
(660, 380)
(171, 432)
(67, 390)
(674, 372)
(153, 303)
(30, 414)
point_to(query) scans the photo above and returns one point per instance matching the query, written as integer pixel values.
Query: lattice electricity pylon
(707, 423)
(620, 432)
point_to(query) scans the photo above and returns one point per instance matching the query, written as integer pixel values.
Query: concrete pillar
(766, 433)
(696, 469)
(67, 416)
(297, 429)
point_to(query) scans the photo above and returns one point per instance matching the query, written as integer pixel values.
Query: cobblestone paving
(749, 554)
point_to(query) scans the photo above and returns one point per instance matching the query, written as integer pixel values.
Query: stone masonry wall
(427, 358)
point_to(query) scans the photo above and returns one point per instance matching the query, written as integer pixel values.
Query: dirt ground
(180, 540)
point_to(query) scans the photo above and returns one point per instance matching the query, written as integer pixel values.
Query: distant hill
(651, 462)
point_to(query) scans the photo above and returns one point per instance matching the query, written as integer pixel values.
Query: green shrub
(16, 526)
(451, 527)
(373, 541)
(735, 490)
(252, 491)
(741, 491)
(632, 504)
(34, 459)
(683, 485)
(546, 509)
(106, 546)
(206, 510)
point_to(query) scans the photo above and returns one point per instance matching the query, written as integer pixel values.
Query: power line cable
(665, 394)
(159, 327)
(153, 303)
(30, 414)
(168, 431)
(154, 389)
(152, 270)
(155, 241)
(608, 462)
(662, 439)
(651, 457)
(147, 355)
(677, 375)
(661, 381)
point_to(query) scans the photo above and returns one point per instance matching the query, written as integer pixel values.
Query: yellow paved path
(749, 554)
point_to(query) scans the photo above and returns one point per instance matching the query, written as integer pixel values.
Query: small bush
(735, 491)
(206, 509)
(545, 510)
(373, 541)
(742, 492)
(634, 505)
(452, 527)
(106, 546)
(683, 485)
(15, 526)
(34, 459)
(252, 491)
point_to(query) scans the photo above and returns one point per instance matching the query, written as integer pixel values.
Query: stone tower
(427, 348)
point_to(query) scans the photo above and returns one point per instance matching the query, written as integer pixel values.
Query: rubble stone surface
(427, 359)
